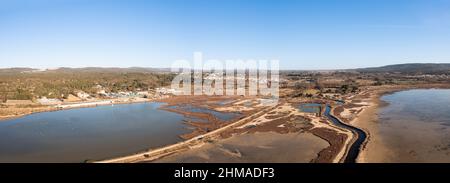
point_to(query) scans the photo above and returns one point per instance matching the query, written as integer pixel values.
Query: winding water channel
(354, 149)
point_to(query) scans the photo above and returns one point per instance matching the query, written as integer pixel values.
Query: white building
(46, 101)
(82, 95)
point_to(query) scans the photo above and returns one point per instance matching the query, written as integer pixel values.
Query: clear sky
(302, 34)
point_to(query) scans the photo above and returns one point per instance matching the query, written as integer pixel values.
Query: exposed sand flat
(362, 103)
(412, 141)
(234, 109)
(375, 150)
(347, 114)
(243, 101)
(286, 109)
(255, 148)
(16, 112)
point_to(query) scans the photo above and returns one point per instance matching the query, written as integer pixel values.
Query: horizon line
(162, 68)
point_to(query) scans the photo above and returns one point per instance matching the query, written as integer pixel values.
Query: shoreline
(55, 108)
(371, 150)
(374, 150)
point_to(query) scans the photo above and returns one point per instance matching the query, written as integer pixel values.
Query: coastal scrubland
(267, 129)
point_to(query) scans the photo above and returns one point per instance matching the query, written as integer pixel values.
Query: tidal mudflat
(255, 148)
(415, 126)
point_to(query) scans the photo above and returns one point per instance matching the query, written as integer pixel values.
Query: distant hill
(15, 70)
(415, 68)
(111, 69)
(85, 70)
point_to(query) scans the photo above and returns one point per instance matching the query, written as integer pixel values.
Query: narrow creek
(354, 149)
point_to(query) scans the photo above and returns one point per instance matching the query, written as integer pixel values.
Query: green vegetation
(20, 85)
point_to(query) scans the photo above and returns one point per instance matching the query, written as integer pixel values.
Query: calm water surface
(77, 135)
(310, 107)
(415, 126)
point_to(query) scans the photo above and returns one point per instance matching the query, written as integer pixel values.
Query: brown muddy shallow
(260, 147)
(282, 130)
(201, 114)
(415, 126)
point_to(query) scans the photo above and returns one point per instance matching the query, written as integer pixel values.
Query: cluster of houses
(239, 76)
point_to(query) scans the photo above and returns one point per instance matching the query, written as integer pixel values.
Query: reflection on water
(223, 116)
(225, 102)
(310, 107)
(88, 133)
(415, 125)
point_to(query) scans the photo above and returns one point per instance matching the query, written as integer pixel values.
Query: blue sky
(302, 34)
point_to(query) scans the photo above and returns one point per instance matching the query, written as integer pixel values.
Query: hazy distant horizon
(282, 69)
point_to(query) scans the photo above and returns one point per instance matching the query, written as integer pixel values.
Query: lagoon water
(223, 116)
(83, 134)
(310, 107)
(415, 126)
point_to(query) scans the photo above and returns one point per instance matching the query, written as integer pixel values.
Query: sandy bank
(375, 149)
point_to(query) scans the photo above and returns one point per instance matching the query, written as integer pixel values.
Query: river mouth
(83, 134)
